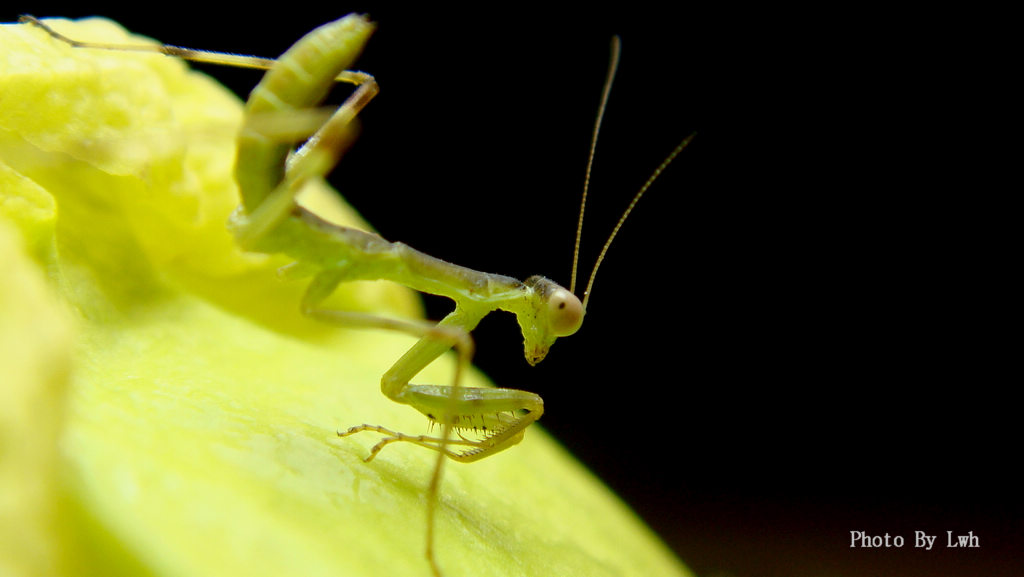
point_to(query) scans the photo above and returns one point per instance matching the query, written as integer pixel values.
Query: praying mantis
(474, 423)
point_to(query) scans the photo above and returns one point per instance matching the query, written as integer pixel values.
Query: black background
(806, 327)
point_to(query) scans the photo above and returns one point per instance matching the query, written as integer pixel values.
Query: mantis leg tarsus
(439, 444)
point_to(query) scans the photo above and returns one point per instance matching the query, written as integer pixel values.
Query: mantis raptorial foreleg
(270, 175)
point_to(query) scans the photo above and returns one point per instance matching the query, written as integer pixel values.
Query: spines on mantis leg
(301, 79)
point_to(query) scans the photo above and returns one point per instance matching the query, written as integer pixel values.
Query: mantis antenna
(613, 66)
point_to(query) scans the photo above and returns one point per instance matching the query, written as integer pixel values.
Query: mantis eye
(565, 313)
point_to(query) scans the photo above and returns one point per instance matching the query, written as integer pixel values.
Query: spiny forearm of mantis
(270, 173)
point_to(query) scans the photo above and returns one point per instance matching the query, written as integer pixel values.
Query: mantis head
(555, 312)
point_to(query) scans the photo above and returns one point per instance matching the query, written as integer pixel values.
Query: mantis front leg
(495, 418)
(498, 416)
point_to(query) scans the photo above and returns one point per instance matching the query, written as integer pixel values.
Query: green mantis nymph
(270, 172)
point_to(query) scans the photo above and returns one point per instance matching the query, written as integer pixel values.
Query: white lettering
(862, 539)
(923, 540)
(968, 540)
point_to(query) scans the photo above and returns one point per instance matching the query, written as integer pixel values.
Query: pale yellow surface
(164, 408)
